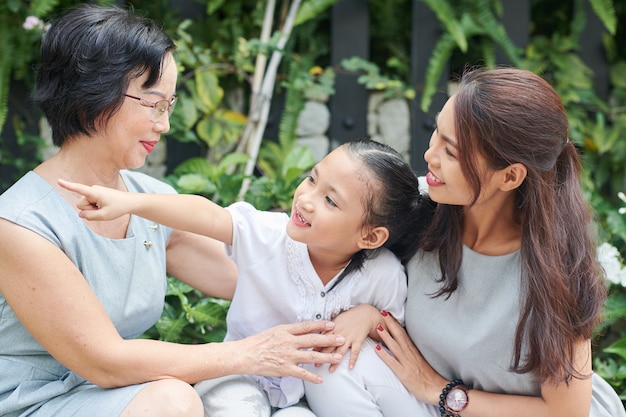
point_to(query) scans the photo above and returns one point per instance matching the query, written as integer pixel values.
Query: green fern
(466, 19)
(446, 15)
(438, 60)
(579, 19)
(496, 32)
(294, 103)
(605, 10)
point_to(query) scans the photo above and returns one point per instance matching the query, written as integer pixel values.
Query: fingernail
(378, 347)
(380, 328)
(337, 357)
(330, 325)
(384, 313)
(340, 339)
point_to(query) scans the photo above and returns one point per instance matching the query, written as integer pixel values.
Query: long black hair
(510, 116)
(393, 201)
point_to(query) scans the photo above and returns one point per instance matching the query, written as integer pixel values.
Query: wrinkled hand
(406, 361)
(97, 202)
(355, 325)
(280, 350)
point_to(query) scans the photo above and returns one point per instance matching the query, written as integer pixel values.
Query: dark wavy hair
(392, 200)
(88, 57)
(510, 116)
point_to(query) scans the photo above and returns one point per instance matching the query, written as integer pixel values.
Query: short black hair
(88, 57)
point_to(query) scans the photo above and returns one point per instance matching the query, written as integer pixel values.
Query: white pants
(370, 389)
(241, 396)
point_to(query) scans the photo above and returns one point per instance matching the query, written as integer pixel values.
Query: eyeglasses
(158, 107)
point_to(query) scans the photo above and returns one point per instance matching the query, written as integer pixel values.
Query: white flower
(33, 22)
(610, 260)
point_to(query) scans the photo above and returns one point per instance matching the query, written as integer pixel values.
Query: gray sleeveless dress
(127, 276)
(470, 336)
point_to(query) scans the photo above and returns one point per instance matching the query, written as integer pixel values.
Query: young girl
(359, 206)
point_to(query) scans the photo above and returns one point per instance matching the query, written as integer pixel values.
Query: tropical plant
(189, 316)
(477, 21)
(372, 78)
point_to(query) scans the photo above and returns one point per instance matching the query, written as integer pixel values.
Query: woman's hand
(407, 362)
(279, 351)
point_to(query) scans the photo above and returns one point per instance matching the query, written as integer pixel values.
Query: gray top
(471, 334)
(127, 276)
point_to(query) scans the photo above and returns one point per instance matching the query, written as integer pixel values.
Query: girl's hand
(97, 202)
(355, 325)
(407, 362)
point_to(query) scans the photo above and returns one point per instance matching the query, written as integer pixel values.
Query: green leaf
(208, 90)
(310, 9)
(196, 165)
(438, 60)
(605, 11)
(618, 348)
(213, 5)
(232, 159)
(171, 329)
(210, 131)
(298, 160)
(445, 13)
(187, 110)
(196, 184)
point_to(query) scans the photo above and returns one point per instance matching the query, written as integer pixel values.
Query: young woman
(359, 206)
(505, 290)
(75, 294)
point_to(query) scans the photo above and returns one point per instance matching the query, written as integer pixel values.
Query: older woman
(75, 294)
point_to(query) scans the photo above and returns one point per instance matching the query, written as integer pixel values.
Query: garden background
(266, 87)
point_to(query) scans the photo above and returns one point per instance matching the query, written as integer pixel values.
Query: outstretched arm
(186, 212)
(55, 304)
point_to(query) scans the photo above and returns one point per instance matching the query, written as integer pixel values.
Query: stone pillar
(389, 122)
(313, 123)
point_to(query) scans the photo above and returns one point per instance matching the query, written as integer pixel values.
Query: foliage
(199, 117)
(372, 79)
(20, 31)
(465, 20)
(21, 26)
(283, 170)
(610, 352)
(14, 163)
(272, 190)
(189, 316)
(389, 38)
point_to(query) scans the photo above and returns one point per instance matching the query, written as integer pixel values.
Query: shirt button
(322, 294)
(318, 316)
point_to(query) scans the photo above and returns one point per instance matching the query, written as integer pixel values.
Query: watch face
(456, 400)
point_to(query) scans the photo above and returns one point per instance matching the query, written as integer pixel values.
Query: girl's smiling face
(328, 206)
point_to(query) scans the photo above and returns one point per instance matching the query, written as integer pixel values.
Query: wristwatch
(457, 399)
